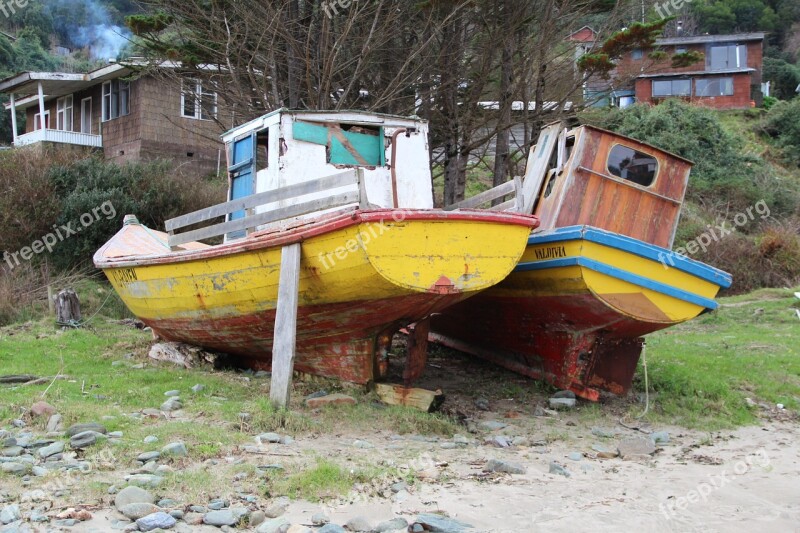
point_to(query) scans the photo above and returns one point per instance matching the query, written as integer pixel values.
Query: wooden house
(128, 115)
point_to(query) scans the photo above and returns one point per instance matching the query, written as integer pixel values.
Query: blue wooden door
(242, 173)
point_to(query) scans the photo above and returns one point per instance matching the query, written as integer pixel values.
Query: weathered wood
(484, 197)
(68, 307)
(334, 181)
(283, 213)
(505, 206)
(285, 333)
(416, 351)
(51, 301)
(424, 400)
(537, 167)
(362, 190)
(16, 378)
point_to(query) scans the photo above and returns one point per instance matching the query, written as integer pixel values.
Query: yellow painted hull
(575, 308)
(362, 278)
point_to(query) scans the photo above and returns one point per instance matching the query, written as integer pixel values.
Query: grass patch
(326, 480)
(702, 370)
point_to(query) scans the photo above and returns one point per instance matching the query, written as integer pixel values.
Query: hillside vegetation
(746, 164)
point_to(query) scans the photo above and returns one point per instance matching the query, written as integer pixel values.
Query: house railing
(251, 221)
(60, 136)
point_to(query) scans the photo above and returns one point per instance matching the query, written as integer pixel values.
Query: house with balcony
(727, 77)
(120, 111)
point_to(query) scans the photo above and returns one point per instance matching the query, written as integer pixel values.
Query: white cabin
(289, 147)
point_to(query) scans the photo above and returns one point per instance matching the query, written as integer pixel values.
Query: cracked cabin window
(346, 144)
(628, 164)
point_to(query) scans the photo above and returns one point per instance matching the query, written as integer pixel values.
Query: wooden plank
(421, 399)
(363, 201)
(538, 162)
(505, 206)
(485, 196)
(284, 193)
(283, 213)
(285, 333)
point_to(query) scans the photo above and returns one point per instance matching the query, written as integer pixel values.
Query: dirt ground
(746, 479)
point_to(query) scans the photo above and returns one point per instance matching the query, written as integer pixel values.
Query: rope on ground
(646, 383)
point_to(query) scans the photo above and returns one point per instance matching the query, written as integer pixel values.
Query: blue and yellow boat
(598, 274)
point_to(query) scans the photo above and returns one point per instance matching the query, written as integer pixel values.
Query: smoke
(89, 24)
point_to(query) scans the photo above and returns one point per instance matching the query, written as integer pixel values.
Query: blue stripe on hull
(637, 247)
(620, 274)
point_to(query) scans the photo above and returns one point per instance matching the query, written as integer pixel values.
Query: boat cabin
(598, 178)
(286, 148)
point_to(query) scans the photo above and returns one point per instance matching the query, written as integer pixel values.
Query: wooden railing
(510, 188)
(250, 222)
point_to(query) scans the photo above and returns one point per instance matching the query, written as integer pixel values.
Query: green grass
(327, 480)
(704, 369)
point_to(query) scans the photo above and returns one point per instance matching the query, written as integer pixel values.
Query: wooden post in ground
(285, 335)
(68, 308)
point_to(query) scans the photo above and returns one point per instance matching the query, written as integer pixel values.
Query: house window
(116, 99)
(637, 53)
(37, 121)
(726, 57)
(631, 165)
(713, 87)
(680, 49)
(663, 88)
(198, 102)
(64, 113)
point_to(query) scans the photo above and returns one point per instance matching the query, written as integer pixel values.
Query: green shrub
(783, 125)
(153, 191)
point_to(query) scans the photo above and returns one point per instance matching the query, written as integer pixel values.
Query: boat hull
(575, 309)
(364, 275)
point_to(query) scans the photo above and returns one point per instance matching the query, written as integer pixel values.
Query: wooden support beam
(424, 400)
(285, 334)
(417, 351)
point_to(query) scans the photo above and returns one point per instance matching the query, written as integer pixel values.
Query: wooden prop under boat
(599, 275)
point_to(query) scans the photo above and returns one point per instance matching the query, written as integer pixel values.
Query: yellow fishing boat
(370, 261)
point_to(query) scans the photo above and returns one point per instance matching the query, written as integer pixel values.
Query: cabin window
(632, 165)
(116, 99)
(262, 150)
(672, 88)
(346, 144)
(198, 102)
(713, 87)
(64, 113)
